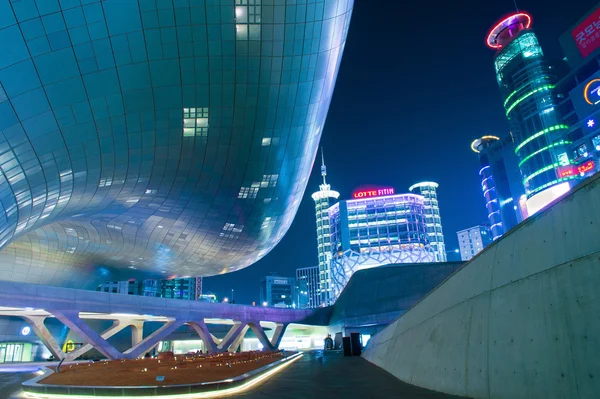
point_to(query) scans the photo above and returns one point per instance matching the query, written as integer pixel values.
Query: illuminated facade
(308, 287)
(433, 220)
(527, 85)
(376, 231)
(176, 288)
(501, 183)
(580, 105)
(323, 199)
(140, 139)
(472, 240)
(278, 292)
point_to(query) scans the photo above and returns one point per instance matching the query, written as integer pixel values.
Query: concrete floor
(330, 375)
(316, 375)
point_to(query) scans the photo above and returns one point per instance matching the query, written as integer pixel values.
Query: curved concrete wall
(520, 320)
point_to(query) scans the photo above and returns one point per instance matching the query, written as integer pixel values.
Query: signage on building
(377, 192)
(587, 34)
(280, 282)
(591, 91)
(576, 169)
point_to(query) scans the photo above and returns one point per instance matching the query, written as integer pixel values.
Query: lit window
(195, 122)
(247, 18)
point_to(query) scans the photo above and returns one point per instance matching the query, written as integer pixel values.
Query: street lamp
(265, 304)
(232, 295)
(225, 300)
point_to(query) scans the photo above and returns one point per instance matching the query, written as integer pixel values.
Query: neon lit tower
(322, 203)
(433, 221)
(488, 185)
(527, 88)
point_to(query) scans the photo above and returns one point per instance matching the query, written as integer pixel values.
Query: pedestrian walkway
(330, 375)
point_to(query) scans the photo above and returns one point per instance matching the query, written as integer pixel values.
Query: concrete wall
(520, 320)
(373, 298)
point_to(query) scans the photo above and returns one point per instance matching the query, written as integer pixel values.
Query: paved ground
(316, 375)
(11, 382)
(330, 375)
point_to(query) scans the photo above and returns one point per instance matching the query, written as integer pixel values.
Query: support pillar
(71, 319)
(137, 332)
(153, 339)
(106, 334)
(238, 340)
(205, 335)
(269, 344)
(238, 328)
(40, 329)
(278, 334)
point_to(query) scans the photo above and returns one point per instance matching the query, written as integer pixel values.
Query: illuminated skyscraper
(501, 182)
(527, 86)
(323, 199)
(472, 240)
(433, 219)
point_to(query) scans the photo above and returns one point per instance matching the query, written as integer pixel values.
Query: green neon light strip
(544, 78)
(553, 182)
(543, 149)
(531, 93)
(538, 134)
(534, 174)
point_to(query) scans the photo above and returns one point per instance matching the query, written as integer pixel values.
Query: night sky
(416, 86)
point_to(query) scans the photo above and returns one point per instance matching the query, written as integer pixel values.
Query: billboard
(587, 34)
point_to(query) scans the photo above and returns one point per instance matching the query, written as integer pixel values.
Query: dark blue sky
(415, 87)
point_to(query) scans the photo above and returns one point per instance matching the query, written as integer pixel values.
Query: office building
(376, 228)
(145, 139)
(472, 240)
(189, 288)
(527, 85)
(433, 220)
(278, 292)
(323, 200)
(308, 287)
(501, 183)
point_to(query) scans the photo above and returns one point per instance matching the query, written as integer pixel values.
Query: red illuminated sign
(585, 167)
(566, 171)
(587, 34)
(575, 169)
(376, 192)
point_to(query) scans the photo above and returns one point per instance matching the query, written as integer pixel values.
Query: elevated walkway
(520, 320)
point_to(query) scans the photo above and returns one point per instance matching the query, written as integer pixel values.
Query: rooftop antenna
(323, 168)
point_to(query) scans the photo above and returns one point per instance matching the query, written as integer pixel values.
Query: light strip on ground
(201, 395)
(543, 149)
(538, 134)
(531, 93)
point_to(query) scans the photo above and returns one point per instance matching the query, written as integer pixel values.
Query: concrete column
(262, 337)
(153, 339)
(205, 335)
(234, 332)
(278, 334)
(137, 332)
(40, 329)
(71, 319)
(238, 340)
(106, 334)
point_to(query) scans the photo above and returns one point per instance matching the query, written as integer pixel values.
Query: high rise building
(500, 182)
(307, 287)
(527, 85)
(376, 228)
(323, 200)
(278, 292)
(472, 240)
(188, 288)
(433, 220)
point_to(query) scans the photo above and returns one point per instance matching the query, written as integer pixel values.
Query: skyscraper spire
(323, 168)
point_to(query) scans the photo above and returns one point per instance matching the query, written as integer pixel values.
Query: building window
(247, 18)
(596, 142)
(195, 122)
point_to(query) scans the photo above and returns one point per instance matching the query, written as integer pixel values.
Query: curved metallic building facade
(155, 138)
